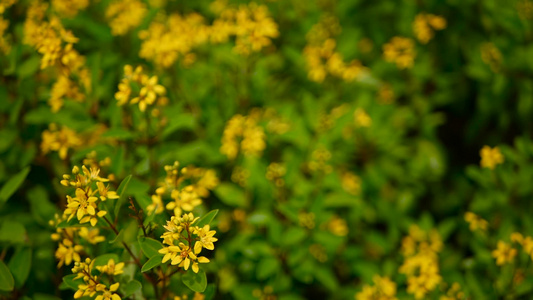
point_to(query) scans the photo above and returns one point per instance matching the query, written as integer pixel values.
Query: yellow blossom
(68, 252)
(401, 51)
(125, 15)
(111, 268)
(424, 26)
(504, 253)
(490, 157)
(476, 222)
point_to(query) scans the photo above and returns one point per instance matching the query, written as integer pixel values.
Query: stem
(135, 258)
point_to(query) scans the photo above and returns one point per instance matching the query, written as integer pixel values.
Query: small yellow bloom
(476, 222)
(504, 253)
(490, 157)
(111, 268)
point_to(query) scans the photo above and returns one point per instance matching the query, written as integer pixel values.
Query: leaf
(13, 184)
(327, 278)
(12, 231)
(102, 260)
(118, 238)
(118, 133)
(267, 267)
(131, 288)
(153, 262)
(71, 282)
(7, 283)
(293, 236)
(183, 121)
(121, 192)
(150, 247)
(207, 218)
(195, 281)
(20, 265)
(231, 194)
(29, 66)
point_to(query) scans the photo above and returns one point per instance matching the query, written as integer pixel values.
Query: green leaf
(267, 267)
(183, 121)
(121, 192)
(44, 297)
(195, 281)
(150, 247)
(118, 133)
(153, 262)
(293, 236)
(207, 218)
(231, 194)
(118, 238)
(13, 184)
(131, 288)
(20, 265)
(71, 282)
(29, 66)
(327, 278)
(7, 283)
(102, 260)
(12, 231)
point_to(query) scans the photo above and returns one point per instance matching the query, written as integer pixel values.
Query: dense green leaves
(150, 247)
(121, 191)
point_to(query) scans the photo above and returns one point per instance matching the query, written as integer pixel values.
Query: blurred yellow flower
(490, 157)
(504, 253)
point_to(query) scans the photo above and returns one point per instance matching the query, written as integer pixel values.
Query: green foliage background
(418, 161)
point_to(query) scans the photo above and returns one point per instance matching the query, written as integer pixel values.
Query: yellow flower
(490, 157)
(425, 24)
(504, 253)
(183, 256)
(108, 294)
(338, 226)
(476, 222)
(362, 119)
(91, 235)
(185, 199)
(383, 289)
(125, 15)
(111, 268)
(59, 140)
(68, 252)
(105, 193)
(400, 50)
(206, 238)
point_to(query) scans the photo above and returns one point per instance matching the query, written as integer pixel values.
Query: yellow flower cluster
(385, 94)
(490, 157)
(275, 173)
(90, 191)
(361, 118)
(169, 38)
(424, 26)
(306, 219)
(321, 57)
(176, 36)
(240, 176)
(251, 24)
(491, 56)
(245, 127)
(69, 8)
(525, 242)
(5, 47)
(525, 9)
(55, 44)
(92, 285)
(180, 229)
(454, 293)
(383, 289)
(111, 268)
(351, 183)
(319, 161)
(149, 90)
(421, 261)
(125, 15)
(186, 187)
(60, 140)
(476, 222)
(319, 252)
(68, 250)
(401, 51)
(337, 226)
(504, 253)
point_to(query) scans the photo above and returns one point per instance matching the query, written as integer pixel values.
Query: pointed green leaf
(231, 194)
(131, 288)
(207, 218)
(195, 281)
(7, 283)
(121, 191)
(71, 282)
(119, 238)
(20, 265)
(104, 259)
(153, 262)
(150, 247)
(13, 184)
